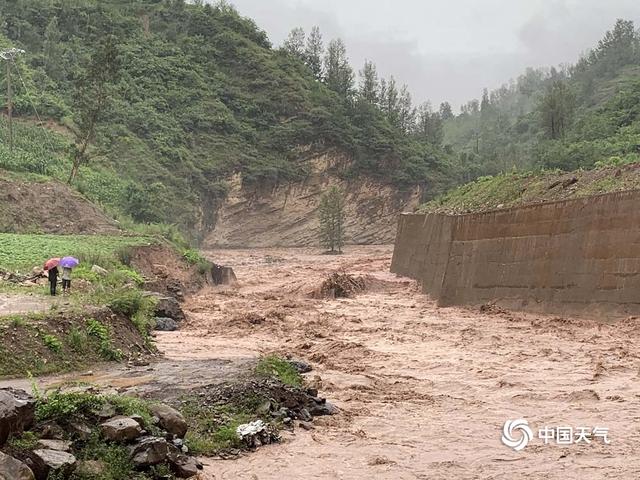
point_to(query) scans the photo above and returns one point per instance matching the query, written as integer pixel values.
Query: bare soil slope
(287, 215)
(49, 207)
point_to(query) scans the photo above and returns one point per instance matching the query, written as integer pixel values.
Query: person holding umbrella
(67, 264)
(51, 267)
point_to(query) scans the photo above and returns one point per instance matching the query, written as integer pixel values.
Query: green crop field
(23, 252)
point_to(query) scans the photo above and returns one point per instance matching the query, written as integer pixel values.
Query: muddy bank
(27, 207)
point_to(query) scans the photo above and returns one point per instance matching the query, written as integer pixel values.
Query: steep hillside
(287, 215)
(186, 96)
(574, 117)
(515, 189)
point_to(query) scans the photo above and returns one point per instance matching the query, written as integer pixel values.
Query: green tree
(369, 84)
(338, 73)
(53, 49)
(556, 108)
(390, 102)
(314, 52)
(93, 96)
(294, 44)
(429, 127)
(332, 219)
(446, 112)
(406, 112)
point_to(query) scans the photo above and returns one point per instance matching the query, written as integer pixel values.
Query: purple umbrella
(69, 262)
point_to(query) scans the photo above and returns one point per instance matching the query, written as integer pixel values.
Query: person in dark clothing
(53, 280)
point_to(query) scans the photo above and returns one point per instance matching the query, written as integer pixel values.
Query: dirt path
(424, 392)
(11, 304)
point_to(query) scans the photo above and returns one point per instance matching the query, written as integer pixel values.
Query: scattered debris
(341, 285)
(258, 433)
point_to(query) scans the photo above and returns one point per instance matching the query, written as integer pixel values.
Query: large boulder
(170, 419)
(164, 324)
(168, 307)
(57, 461)
(17, 410)
(121, 429)
(12, 469)
(149, 451)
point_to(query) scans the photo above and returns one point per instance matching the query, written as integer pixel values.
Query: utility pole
(9, 56)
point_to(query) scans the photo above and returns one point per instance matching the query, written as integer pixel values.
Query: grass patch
(23, 252)
(273, 366)
(212, 429)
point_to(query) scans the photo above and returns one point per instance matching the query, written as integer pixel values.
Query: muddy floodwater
(423, 392)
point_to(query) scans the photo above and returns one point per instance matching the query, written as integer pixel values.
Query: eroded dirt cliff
(287, 215)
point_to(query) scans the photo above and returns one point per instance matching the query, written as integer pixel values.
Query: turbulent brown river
(423, 392)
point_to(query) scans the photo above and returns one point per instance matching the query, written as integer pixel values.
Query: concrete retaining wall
(575, 256)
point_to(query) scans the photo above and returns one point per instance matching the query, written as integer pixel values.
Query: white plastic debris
(251, 429)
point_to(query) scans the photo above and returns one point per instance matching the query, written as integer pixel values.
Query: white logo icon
(514, 426)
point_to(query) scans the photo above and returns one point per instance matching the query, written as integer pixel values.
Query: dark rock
(57, 461)
(306, 425)
(121, 429)
(51, 430)
(17, 409)
(170, 419)
(184, 466)
(12, 469)
(149, 451)
(322, 407)
(168, 307)
(304, 415)
(165, 324)
(300, 366)
(221, 275)
(569, 181)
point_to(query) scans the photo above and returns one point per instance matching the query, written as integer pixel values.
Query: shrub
(52, 342)
(60, 406)
(77, 340)
(127, 302)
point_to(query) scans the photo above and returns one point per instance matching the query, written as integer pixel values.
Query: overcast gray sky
(449, 49)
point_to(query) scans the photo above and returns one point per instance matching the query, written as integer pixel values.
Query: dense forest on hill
(162, 100)
(149, 106)
(578, 116)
